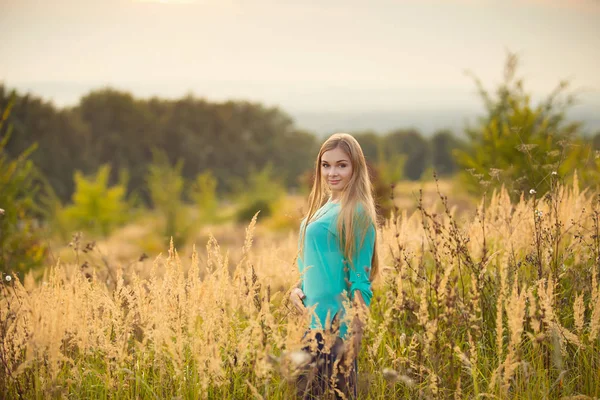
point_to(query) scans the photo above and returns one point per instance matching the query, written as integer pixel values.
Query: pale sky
(301, 55)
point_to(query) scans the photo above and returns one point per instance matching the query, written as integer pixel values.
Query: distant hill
(426, 121)
(434, 108)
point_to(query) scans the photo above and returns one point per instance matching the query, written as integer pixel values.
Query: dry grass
(502, 302)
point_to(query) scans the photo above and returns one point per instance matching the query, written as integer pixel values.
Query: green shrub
(204, 194)
(261, 193)
(97, 208)
(21, 244)
(247, 211)
(165, 184)
(520, 145)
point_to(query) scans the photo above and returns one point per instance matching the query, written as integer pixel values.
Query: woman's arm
(359, 272)
(360, 288)
(297, 292)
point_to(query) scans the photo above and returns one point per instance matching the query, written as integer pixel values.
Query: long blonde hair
(357, 193)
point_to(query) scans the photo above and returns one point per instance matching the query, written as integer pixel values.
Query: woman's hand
(296, 297)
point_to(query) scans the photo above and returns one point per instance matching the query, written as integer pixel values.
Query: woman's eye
(325, 165)
(342, 165)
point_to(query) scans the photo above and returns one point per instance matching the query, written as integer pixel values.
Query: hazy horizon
(426, 117)
(330, 57)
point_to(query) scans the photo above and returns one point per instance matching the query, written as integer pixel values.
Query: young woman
(337, 260)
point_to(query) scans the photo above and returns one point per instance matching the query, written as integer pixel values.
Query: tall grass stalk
(503, 303)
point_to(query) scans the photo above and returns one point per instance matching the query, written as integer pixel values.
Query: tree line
(514, 142)
(232, 139)
(90, 163)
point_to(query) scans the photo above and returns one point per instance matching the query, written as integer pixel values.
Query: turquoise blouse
(322, 266)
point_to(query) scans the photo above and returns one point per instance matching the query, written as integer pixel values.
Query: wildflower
(408, 381)
(273, 359)
(402, 339)
(89, 247)
(532, 191)
(495, 173)
(554, 173)
(390, 374)
(539, 213)
(300, 358)
(8, 278)
(1, 211)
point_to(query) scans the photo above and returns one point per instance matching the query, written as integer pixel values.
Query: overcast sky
(302, 55)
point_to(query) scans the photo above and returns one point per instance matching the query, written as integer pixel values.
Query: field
(486, 299)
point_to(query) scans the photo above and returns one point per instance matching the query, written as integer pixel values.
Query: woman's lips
(335, 182)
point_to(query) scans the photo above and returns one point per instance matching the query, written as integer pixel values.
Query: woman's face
(336, 169)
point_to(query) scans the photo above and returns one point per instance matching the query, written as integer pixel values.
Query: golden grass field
(495, 299)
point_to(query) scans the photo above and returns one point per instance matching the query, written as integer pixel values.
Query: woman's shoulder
(361, 212)
(326, 211)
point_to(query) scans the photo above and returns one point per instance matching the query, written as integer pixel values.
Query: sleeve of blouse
(300, 265)
(360, 270)
(301, 269)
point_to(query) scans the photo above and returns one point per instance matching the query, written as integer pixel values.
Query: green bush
(97, 208)
(21, 244)
(520, 145)
(247, 211)
(391, 168)
(165, 184)
(261, 193)
(204, 194)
